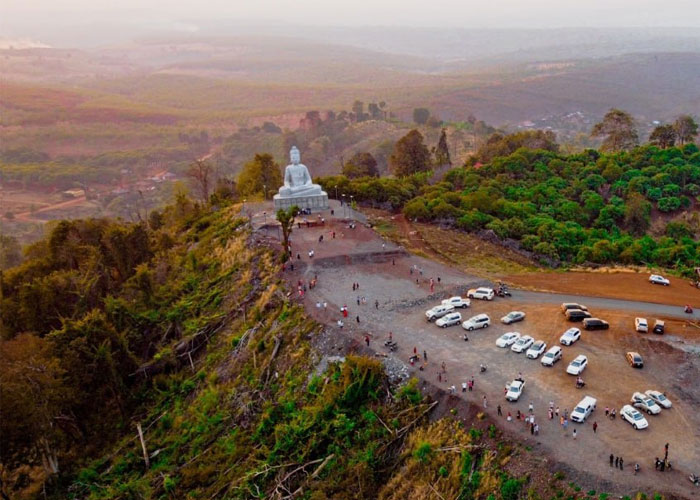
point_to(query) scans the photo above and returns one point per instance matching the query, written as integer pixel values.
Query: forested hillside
(634, 207)
(183, 326)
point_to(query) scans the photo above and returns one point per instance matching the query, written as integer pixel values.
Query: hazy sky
(453, 13)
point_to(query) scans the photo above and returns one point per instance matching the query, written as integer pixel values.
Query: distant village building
(73, 193)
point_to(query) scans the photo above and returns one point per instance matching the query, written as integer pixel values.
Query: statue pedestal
(315, 203)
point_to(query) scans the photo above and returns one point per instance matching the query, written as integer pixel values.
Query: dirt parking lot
(389, 277)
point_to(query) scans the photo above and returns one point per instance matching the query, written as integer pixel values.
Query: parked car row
(642, 326)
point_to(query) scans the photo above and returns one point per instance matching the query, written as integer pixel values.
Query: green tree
(618, 130)
(410, 155)
(637, 210)
(260, 176)
(286, 220)
(421, 115)
(663, 136)
(10, 251)
(361, 164)
(686, 129)
(442, 152)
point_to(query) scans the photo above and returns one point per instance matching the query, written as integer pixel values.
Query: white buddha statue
(297, 180)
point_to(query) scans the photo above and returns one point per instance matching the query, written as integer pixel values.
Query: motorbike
(688, 309)
(580, 384)
(482, 368)
(695, 479)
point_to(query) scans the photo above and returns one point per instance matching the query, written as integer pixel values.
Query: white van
(583, 409)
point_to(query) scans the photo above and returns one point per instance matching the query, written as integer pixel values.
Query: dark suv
(577, 315)
(595, 324)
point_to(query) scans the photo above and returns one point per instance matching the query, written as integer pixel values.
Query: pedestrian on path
(484, 400)
(595, 427)
(574, 434)
(498, 410)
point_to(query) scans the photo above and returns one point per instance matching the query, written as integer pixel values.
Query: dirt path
(29, 216)
(400, 286)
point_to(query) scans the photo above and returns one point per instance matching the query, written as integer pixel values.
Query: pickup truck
(438, 312)
(457, 302)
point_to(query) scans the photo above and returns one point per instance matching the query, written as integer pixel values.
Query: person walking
(391, 336)
(498, 410)
(366, 339)
(611, 460)
(425, 355)
(532, 428)
(376, 304)
(665, 452)
(621, 464)
(574, 434)
(444, 367)
(556, 412)
(607, 411)
(484, 400)
(415, 351)
(358, 318)
(617, 462)
(595, 427)
(530, 408)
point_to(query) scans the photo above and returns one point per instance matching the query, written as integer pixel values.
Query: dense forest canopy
(633, 207)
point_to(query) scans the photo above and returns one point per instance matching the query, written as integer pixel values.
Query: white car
(536, 350)
(644, 402)
(656, 279)
(457, 302)
(577, 366)
(515, 390)
(522, 344)
(659, 398)
(552, 356)
(450, 319)
(478, 321)
(438, 312)
(507, 339)
(570, 336)
(482, 293)
(641, 325)
(512, 317)
(634, 417)
(583, 409)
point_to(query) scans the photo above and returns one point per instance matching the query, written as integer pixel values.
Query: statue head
(295, 155)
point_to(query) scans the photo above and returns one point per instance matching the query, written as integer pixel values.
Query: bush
(510, 489)
(669, 204)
